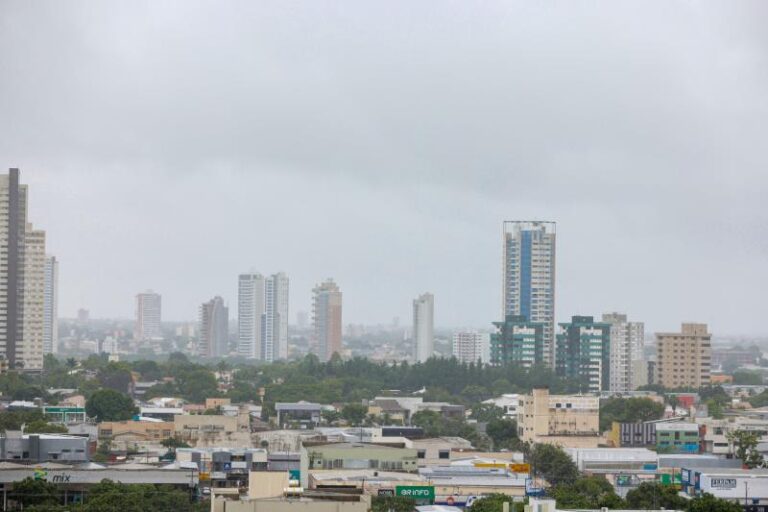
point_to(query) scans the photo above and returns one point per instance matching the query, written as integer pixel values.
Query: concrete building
(305, 414)
(250, 315)
(471, 347)
(572, 421)
(528, 287)
(275, 318)
(214, 329)
(741, 486)
(677, 437)
(203, 430)
(33, 300)
(628, 367)
(326, 319)
(74, 481)
(509, 402)
(51, 306)
(148, 316)
(518, 341)
(36, 448)
(683, 359)
(584, 353)
(355, 456)
(423, 327)
(224, 467)
(129, 433)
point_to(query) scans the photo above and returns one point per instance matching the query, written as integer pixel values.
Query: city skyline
(646, 152)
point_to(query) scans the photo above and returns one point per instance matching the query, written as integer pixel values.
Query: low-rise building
(224, 467)
(300, 414)
(130, 432)
(567, 420)
(748, 487)
(76, 480)
(677, 437)
(390, 409)
(510, 403)
(457, 484)
(356, 456)
(35, 448)
(213, 430)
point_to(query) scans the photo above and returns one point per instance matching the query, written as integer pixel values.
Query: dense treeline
(337, 381)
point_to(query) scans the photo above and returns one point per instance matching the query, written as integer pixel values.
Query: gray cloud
(172, 145)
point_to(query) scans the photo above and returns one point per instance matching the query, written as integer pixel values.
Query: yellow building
(572, 421)
(135, 431)
(683, 359)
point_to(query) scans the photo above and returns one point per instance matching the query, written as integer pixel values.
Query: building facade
(214, 329)
(423, 327)
(518, 341)
(33, 302)
(471, 347)
(568, 420)
(584, 353)
(684, 359)
(148, 316)
(628, 366)
(22, 279)
(326, 319)
(275, 320)
(250, 315)
(51, 306)
(529, 276)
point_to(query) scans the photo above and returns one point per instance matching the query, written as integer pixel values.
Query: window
(421, 454)
(444, 454)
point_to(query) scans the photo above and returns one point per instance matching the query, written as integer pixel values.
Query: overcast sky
(172, 145)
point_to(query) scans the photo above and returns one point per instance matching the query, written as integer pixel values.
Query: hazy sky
(172, 145)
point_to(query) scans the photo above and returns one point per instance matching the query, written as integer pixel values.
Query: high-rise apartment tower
(326, 318)
(22, 279)
(529, 276)
(423, 327)
(148, 316)
(51, 306)
(683, 359)
(214, 329)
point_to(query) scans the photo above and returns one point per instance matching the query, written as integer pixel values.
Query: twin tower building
(262, 309)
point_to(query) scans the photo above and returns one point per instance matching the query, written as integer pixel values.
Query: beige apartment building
(572, 421)
(683, 359)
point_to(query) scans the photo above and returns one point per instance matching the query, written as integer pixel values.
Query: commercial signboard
(722, 483)
(520, 468)
(386, 493)
(419, 493)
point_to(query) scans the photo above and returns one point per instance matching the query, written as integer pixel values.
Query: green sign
(420, 493)
(294, 474)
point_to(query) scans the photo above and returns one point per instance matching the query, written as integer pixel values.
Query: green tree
(628, 410)
(503, 432)
(492, 503)
(745, 447)
(34, 493)
(747, 377)
(486, 412)
(551, 463)
(392, 504)
(197, 385)
(110, 405)
(115, 376)
(653, 496)
(709, 503)
(354, 413)
(590, 492)
(43, 427)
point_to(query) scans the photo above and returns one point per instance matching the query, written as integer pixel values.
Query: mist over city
(383, 256)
